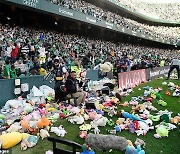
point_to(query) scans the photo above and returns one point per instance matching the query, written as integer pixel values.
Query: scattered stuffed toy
(28, 142)
(59, 131)
(43, 133)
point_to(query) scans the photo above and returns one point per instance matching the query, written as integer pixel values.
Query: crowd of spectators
(162, 32)
(166, 11)
(20, 52)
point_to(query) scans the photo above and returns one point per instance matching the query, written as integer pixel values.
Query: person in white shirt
(9, 50)
(175, 64)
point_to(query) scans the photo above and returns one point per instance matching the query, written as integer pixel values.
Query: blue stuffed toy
(130, 116)
(132, 150)
(86, 150)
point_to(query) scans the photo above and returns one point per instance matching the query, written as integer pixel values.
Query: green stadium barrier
(7, 86)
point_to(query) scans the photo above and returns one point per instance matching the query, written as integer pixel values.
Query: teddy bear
(106, 67)
(100, 122)
(43, 133)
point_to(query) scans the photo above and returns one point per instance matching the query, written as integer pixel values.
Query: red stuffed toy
(136, 124)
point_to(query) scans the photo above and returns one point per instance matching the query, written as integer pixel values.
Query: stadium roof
(159, 1)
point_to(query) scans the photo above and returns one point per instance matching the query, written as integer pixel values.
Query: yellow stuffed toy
(42, 71)
(10, 139)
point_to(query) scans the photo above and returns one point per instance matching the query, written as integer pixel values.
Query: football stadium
(89, 76)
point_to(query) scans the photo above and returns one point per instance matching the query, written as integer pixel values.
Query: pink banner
(131, 79)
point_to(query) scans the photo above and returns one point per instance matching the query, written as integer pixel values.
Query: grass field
(166, 145)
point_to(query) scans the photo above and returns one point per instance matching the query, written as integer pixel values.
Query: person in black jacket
(73, 88)
(60, 74)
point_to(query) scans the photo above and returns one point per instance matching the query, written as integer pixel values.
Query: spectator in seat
(14, 52)
(73, 88)
(13, 72)
(6, 70)
(19, 65)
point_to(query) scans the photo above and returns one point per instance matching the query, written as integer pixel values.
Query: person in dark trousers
(60, 74)
(73, 88)
(175, 64)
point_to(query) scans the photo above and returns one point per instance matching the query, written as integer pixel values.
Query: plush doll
(140, 142)
(141, 132)
(10, 139)
(49, 152)
(165, 112)
(82, 74)
(136, 124)
(131, 127)
(42, 55)
(86, 117)
(130, 116)
(43, 133)
(154, 118)
(158, 96)
(86, 150)
(85, 127)
(75, 110)
(120, 121)
(164, 83)
(134, 103)
(157, 136)
(96, 130)
(148, 122)
(144, 126)
(117, 128)
(112, 112)
(165, 118)
(33, 124)
(28, 142)
(119, 114)
(82, 134)
(14, 128)
(115, 100)
(101, 122)
(43, 122)
(132, 150)
(176, 93)
(171, 84)
(153, 95)
(59, 131)
(163, 103)
(106, 67)
(65, 111)
(148, 99)
(94, 115)
(98, 105)
(143, 116)
(76, 119)
(168, 93)
(110, 122)
(162, 131)
(61, 115)
(168, 126)
(124, 104)
(113, 131)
